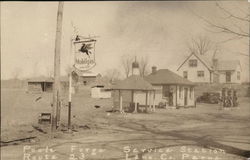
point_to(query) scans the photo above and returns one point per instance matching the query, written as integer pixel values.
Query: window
(180, 92)
(193, 63)
(185, 74)
(200, 73)
(238, 75)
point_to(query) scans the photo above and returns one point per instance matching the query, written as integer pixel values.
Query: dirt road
(202, 133)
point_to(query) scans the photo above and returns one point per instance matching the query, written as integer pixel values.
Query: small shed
(133, 94)
(40, 84)
(45, 84)
(101, 89)
(85, 78)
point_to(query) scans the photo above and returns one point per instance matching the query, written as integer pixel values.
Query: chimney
(154, 69)
(135, 68)
(215, 63)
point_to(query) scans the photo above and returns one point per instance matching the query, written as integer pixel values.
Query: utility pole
(70, 84)
(249, 43)
(56, 85)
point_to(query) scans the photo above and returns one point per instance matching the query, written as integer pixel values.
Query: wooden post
(154, 102)
(44, 87)
(146, 104)
(56, 86)
(248, 48)
(135, 111)
(135, 100)
(150, 97)
(176, 97)
(70, 82)
(120, 100)
(132, 96)
(70, 93)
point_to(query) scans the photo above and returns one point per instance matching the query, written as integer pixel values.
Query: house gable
(196, 73)
(200, 60)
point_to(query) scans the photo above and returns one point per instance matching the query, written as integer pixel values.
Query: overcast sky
(159, 30)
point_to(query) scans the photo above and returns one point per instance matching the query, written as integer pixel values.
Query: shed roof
(101, 82)
(85, 73)
(41, 79)
(47, 79)
(133, 82)
(165, 76)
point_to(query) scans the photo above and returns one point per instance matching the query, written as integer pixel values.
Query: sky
(157, 30)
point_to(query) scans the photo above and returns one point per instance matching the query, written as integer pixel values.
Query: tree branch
(230, 14)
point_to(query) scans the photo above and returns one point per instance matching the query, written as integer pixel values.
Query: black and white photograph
(125, 80)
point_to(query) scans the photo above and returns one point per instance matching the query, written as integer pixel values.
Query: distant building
(198, 68)
(85, 78)
(44, 84)
(101, 89)
(171, 88)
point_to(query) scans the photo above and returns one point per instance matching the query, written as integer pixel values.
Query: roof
(101, 82)
(47, 79)
(85, 73)
(228, 65)
(133, 82)
(165, 76)
(41, 79)
(205, 60)
(202, 58)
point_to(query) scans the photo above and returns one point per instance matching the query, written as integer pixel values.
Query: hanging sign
(84, 51)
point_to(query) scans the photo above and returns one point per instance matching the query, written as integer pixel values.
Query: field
(204, 132)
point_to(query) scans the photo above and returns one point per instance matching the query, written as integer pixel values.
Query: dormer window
(193, 63)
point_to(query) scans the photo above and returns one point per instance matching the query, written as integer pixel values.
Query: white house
(229, 71)
(198, 68)
(171, 88)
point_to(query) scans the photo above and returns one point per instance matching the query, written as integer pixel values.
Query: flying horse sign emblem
(84, 54)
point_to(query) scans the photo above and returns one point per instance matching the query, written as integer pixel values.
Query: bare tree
(200, 45)
(143, 66)
(112, 74)
(233, 24)
(238, 25)
(126, 61)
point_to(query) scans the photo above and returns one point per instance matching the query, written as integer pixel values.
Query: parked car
(209, 97)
